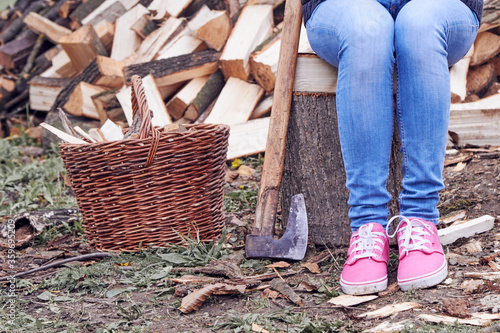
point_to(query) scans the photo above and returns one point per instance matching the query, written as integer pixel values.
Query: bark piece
(177, 69)
(486, 46)
(43, 92)
(205, 96)
(211, 26)
(466, 229)
(80, 102)
(248, 138)
(41, 25)
(254, 25)
(235, 103)
(82, 46)
(126, 41)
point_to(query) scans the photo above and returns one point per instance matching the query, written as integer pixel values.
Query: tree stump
(314, 167)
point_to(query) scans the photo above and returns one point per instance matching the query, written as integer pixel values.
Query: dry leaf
(228, 289)
(307, 286)
(312, 267)
(286, 290)
(279, 264)
(194, 301)
(268, 293)
(245, 171)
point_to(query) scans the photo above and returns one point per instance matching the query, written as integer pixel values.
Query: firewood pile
(211, 61)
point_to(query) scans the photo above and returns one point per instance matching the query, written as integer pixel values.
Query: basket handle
(140, 104)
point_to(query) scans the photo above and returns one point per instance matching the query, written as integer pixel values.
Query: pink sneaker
(422, 263)
(365, 270)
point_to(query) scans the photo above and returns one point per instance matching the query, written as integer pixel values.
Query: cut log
(176, 7)
(67, 7)
(106, 33)
(179, 103)
(211, 26)
(480, 78)
(263, 108)
(205, 97)
(43, 91)
(236, 102)
(104, 6)
(84, 10)
(62, 65)
(14, 53)
(486, 47)
(465, 229)
(80, 102)
(169, 90)
(127, 41)
(314, 166)
(108, 107)
(41, 25)
(458, 79)
(144, 26)
(477, 123)
(183, 45)
(150, 47)
(111, 72)
(82, 46)
(248, 138)
(124, 96)
(155, 102)
(313, 74)
(264, 65)
(177, 69)
(254, 25)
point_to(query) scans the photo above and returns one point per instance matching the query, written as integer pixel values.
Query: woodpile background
(208, 61)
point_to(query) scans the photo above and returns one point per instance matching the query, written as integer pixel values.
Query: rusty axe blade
(292, 245)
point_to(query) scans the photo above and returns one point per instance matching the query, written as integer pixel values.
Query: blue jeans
(365, 39)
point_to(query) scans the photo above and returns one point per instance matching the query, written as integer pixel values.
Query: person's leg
(429, 36)
(358, 38)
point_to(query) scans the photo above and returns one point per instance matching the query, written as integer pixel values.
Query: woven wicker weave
(131, 194)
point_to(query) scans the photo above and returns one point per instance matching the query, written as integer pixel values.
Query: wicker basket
(143, 191)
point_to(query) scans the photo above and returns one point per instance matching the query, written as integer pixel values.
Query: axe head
(292, 245)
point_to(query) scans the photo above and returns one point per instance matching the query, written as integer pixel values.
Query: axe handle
(267, 202)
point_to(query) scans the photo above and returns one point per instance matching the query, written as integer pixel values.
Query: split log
(205, 97)
(43, 91)
(264, 65)
(45, 59)
(158, 10)
(104, 6)
(126, 41)
(82, 46)
(111, 72)
(67, 7)
(213, 27)
(41, 25)
(480, 78)
(151, 46)
(486, 46)
(179, 103)
(248, 138)
(263, 108)
(458, 78)
(314, 165)
(12, 31)
(80, 102)
(254, 25)
(155, 102)
(111, 14)
(235, 103)
(14, 53)
(465, 229)
(177, 69)
(478, 122)
(62, 65)
(108, 107)
(176, 7)
(84, 10)
(144, 26)
(274, 3)
(182, 45)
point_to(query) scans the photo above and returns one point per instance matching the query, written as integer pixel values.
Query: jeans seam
(399, 121)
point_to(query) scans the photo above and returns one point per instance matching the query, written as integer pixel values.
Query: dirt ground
(112, 295)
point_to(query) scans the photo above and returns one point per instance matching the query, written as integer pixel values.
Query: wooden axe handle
(267, 203)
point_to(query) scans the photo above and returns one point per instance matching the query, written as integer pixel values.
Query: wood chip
(279, 264)
(389, 310)
(258, 328)
(350, 300)
(466, 229)
(390, 290)
(477, 319)
(312, 267)
(389, 327)
(492, 276)
(472, 286)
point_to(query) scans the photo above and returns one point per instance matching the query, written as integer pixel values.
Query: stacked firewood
(194, 57)
(210, 61)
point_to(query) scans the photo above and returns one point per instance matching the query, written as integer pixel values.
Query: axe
(293, 244)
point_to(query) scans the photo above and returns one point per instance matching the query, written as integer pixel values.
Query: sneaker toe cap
(364, 271)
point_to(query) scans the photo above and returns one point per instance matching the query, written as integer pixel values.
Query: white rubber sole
(427, 280)
(365, 288)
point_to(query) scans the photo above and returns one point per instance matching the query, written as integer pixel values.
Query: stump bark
(314, 166)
